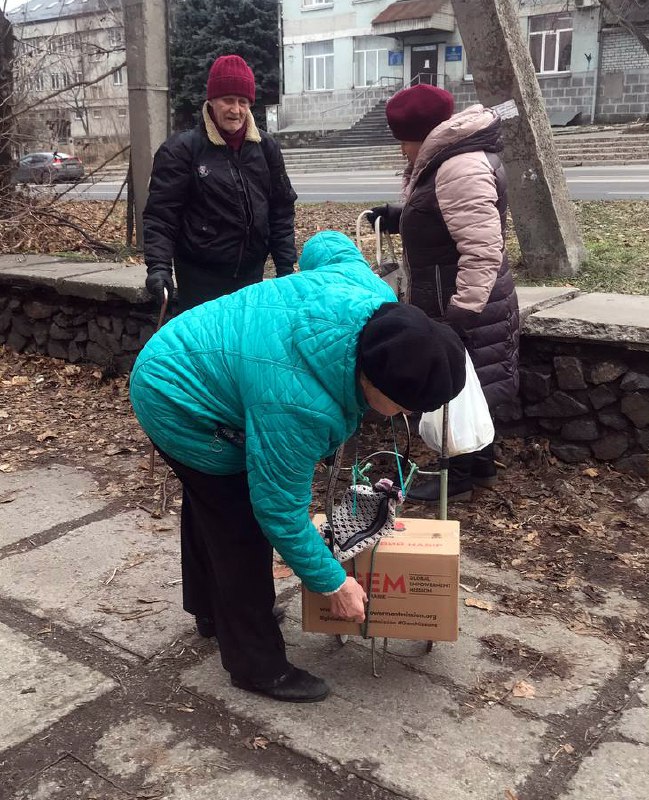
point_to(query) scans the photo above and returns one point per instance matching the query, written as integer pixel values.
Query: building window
(115, 37)
(121, 112)
(118, 77)
(550, 39)
(57, 79)
(96, 113)
(319, 66)
(78, 114)
(316, 3)
(370, 61)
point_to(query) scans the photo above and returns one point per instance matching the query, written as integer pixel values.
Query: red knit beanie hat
(413, 112)
(230, 75)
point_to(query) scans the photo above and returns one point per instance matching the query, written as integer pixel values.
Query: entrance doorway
(423, 63)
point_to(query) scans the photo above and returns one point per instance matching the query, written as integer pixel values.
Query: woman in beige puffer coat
(452, 224)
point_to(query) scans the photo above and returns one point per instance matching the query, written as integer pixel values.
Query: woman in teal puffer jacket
(242, 396)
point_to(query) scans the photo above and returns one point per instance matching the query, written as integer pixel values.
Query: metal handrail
(378, 85)
(418, 79)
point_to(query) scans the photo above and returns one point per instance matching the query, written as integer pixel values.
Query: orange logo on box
(382, 582)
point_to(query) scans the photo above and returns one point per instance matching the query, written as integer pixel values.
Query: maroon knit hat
(413, 112)
(230, 75)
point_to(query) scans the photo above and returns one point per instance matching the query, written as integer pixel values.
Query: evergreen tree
(202, 30)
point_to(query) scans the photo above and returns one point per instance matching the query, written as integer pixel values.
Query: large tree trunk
(6, 127)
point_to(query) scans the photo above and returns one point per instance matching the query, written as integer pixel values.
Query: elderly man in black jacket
(219, 198)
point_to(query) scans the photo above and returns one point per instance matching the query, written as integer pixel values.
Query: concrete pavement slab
(495, 651)
(634, 722)
(39, 687)
(535, 298)
(43, 498)
(615, 771)
(181, 768)
(600, 317)
(118, 577)
(404, 732)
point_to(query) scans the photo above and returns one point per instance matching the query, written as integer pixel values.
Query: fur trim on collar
(252, 133)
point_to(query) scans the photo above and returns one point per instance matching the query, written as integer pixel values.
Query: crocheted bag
(363, 516)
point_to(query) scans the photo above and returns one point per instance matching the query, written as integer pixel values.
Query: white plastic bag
(469, 423)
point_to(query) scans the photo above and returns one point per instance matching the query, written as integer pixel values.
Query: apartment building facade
(63, 47)
(341, 56)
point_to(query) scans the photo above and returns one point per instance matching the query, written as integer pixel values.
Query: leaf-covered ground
(616, 235)
(567, 528)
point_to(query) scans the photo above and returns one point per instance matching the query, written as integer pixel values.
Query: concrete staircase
(371, 129)
(575, 149)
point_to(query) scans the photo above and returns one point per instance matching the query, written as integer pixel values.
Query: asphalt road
(628, 182)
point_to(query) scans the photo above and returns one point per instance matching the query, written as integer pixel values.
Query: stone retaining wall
(109, 334)
(589, 400)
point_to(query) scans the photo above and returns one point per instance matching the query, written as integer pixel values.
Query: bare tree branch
(70, 86)
(633, 29)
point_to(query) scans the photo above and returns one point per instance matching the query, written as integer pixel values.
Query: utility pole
(6, 91)
(502, 70)
(145, 28)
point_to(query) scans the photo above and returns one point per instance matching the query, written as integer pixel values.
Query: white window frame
(375, 51)
(312, 5)
(545, 34)
(96, 113)
(317, 60)
(122, 113)
(118, 77)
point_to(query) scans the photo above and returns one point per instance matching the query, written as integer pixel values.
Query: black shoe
(460, 483)
(205, 625)
(295, 686)
(429, 491)
(483, 469)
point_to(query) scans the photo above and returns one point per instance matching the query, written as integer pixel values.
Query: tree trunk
(6, 126)
(503, 72)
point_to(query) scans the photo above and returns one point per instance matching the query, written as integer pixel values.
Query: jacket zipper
(245, 216)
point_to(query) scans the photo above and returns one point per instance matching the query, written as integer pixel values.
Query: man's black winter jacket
(217, 214)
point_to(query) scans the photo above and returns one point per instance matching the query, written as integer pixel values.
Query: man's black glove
(390, 217)
(157, 280)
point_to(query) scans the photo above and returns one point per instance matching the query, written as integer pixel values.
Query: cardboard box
(413, 585)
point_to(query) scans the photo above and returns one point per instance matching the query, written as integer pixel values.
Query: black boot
(206, 629)
(483, 469)
(460, 483)
(295, 686)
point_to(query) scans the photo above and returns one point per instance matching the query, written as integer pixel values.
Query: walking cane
(161, 319)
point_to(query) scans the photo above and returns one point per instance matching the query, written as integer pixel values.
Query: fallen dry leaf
(509, 795)
(474, 602)
(591, 472)
(523, 689)
(282, 571)
(256, 742)
(46, 435)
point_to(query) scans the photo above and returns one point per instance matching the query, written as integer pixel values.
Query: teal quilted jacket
(276, 360)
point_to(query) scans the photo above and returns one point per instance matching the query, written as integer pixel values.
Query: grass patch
(616, 236)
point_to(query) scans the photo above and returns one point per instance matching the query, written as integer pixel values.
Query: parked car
(48, 168)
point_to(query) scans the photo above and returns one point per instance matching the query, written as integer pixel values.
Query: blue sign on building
(395, 58)
(453, 52)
